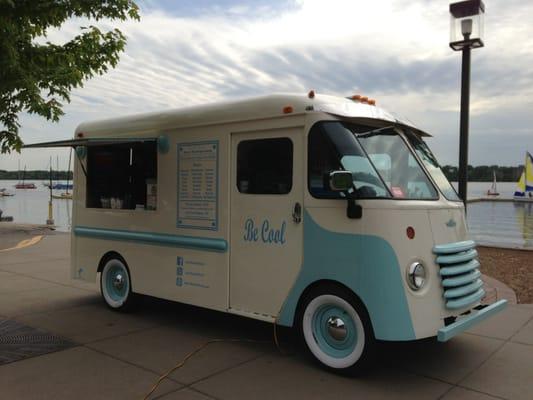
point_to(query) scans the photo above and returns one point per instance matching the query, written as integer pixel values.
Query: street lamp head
(466, 28)
(466, 24)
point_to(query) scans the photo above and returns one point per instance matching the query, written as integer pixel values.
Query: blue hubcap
(334, 331)
(117, 283)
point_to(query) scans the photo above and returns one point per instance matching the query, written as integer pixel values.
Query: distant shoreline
(70, 178)
(35, 175)
(64, 175)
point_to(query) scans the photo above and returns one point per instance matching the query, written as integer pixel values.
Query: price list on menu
(197, 185)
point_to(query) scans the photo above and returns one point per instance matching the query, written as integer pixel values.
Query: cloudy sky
(190, 52)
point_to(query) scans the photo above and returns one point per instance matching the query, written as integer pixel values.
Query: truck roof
(255, 108)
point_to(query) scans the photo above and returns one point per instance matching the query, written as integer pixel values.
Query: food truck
(322, 213)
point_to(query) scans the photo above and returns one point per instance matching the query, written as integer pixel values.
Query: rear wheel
(335, 329)
(115, 285)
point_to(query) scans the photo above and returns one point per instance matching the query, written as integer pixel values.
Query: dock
(490, 199)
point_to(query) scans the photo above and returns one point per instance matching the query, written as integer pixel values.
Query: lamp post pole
(463, 135)
(466, 31)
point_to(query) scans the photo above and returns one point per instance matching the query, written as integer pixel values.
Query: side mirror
(340, 181)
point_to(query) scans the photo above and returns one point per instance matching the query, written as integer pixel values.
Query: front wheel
(115, 285)
(336, 330)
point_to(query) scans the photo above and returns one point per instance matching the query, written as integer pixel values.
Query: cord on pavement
(203, 346)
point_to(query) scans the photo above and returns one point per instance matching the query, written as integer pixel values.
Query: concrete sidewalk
(121, 356)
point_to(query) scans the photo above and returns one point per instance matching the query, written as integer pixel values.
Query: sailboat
(5, 193)
(493, 191)
(25, 185)
(524, 188)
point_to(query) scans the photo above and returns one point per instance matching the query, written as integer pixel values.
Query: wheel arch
(110, 255)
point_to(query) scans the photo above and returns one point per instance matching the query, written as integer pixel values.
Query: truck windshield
(431, 164)
(381, 162)
(397, 166)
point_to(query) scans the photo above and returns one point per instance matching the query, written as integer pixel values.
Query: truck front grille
(459, 271)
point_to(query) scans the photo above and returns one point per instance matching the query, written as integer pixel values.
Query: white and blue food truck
(326, 214)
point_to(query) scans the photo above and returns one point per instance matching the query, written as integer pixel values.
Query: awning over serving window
(90, 142)
(161, 142)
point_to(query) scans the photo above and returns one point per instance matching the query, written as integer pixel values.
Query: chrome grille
(459, 270)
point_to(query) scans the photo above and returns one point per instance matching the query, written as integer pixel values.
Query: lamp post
(466, 33)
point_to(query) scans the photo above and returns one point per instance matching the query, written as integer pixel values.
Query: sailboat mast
(68, 169)
(51, 184)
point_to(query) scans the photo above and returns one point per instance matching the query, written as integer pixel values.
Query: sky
(191, 52)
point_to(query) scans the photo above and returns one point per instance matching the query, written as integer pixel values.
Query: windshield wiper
(375, 132)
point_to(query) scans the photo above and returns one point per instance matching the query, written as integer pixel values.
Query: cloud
(194, 52)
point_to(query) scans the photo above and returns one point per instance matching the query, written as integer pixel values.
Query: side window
(122, 176)
(332, 146)
(322, 159)
(264, 166)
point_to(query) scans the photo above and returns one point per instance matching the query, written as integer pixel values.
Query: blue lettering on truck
(266, 233)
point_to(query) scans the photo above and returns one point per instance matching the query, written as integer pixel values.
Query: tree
(36, 77)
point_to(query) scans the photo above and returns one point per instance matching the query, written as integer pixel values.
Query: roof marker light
(288, 109)
(364, 99)
(311, 94)
(372, 102)
(356, 97)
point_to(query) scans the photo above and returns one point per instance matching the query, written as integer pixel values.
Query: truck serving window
(264, 166)
(122, 176)
(332, 147)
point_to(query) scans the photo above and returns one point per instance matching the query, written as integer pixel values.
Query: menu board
(198, 185)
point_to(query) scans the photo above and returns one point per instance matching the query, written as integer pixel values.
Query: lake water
(31, 205)
(506, 224)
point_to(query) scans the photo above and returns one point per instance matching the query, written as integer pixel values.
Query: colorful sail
(524, 187)
(529, 172)
(521, 186)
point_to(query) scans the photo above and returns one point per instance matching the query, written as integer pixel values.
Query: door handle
(297, 213)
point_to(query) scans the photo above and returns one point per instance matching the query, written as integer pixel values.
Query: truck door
(266, 228)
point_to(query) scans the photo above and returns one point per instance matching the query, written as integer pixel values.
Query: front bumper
(466, 322)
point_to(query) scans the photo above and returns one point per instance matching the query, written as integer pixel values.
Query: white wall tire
(335, 330)
(115, 284)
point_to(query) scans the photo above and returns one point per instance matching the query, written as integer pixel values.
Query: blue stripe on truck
(157, 239)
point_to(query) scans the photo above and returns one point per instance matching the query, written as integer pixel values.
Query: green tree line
(36, 174)
(484, 173)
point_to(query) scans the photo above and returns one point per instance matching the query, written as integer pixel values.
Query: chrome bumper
(463, 323)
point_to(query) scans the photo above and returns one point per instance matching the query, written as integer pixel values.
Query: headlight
(416, 276)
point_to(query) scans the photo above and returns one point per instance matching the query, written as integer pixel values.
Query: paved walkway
(118, 356)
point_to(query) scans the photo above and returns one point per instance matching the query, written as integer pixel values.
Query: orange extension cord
(203, 346)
